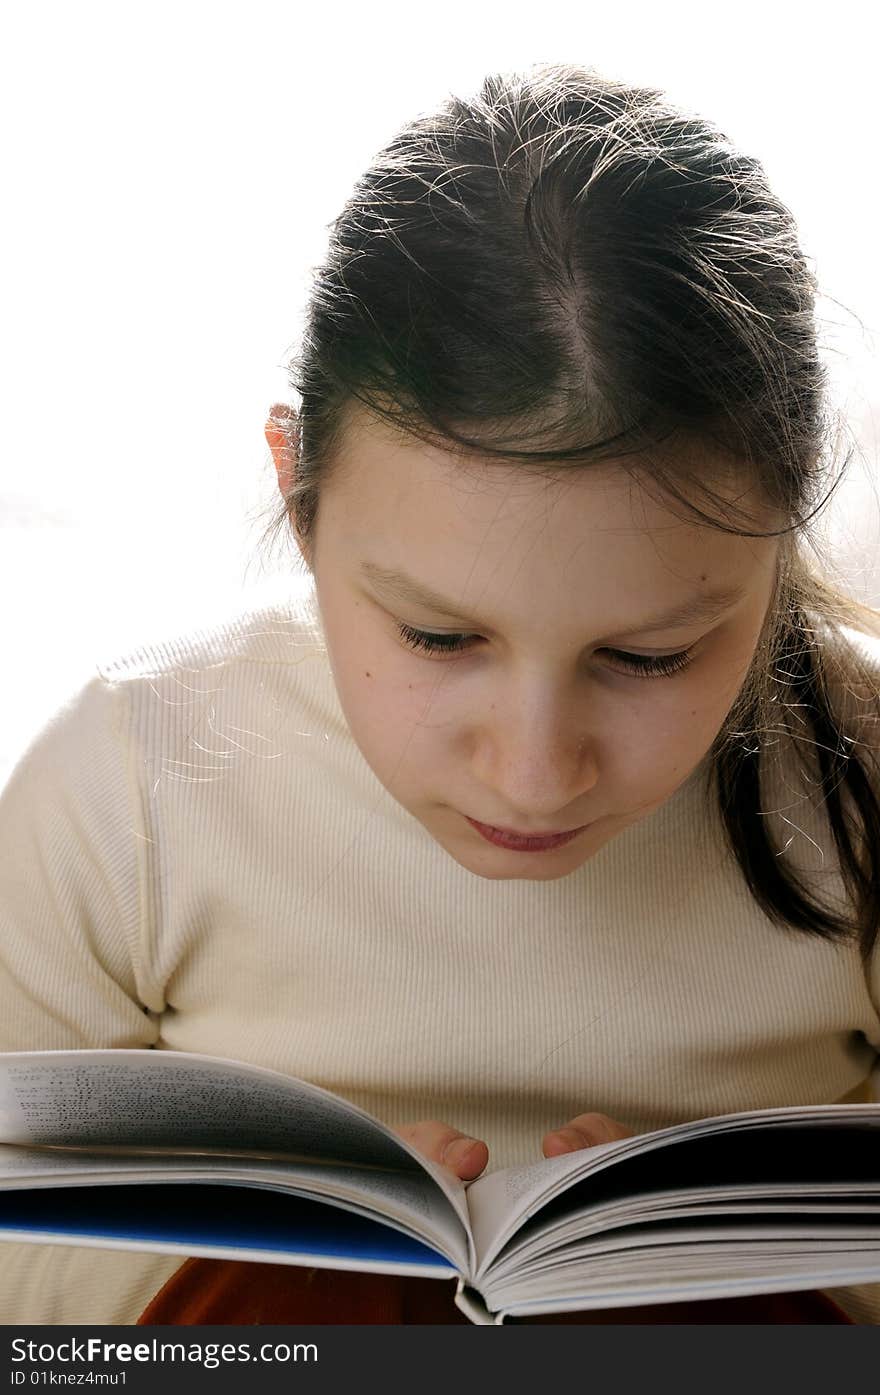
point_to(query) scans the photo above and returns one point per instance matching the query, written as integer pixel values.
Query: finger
(584, 1131)
(464, 1156)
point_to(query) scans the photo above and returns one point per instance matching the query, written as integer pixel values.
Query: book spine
(472, 1305)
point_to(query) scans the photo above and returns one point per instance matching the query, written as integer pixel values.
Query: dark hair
(567, 268)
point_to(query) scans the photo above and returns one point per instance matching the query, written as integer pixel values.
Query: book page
(503, 1202)
(409, 1200)
(143, 1098)
(163, 1097)
(723, 1264)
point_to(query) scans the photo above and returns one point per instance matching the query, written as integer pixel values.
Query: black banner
(268, 1359)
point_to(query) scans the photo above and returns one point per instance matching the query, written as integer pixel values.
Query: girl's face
(564, 693)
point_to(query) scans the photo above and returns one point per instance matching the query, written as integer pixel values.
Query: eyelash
(641, 665)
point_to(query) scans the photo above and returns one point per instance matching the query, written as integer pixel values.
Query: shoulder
(233, 700)
(864, 647)
(281, 631)
(230, 695)
(142, 707)
(843, 720)
(852, 678)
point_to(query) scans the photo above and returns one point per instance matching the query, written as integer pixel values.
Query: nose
(534, 751)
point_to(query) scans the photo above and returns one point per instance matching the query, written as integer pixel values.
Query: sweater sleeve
(72, 972)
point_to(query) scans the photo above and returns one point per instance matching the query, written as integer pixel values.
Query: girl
(549, 813)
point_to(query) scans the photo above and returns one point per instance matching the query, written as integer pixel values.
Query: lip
(524, 842)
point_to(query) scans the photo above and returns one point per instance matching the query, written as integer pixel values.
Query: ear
(282, 434)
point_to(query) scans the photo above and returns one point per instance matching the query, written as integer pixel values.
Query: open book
(195, 1155)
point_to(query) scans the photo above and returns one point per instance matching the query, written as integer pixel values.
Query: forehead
(389, 488)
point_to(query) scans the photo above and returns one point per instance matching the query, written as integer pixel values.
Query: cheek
(382, 703)
(704, 709)
(719, 688)
(666, 736)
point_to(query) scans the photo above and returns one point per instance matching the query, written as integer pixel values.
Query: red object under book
(206, 1291)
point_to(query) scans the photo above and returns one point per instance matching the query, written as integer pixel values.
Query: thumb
(464, 1156)
(584, 1131)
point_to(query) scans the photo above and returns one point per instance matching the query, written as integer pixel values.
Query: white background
(169, 173)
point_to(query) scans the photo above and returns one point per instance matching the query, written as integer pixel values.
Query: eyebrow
(405, 589)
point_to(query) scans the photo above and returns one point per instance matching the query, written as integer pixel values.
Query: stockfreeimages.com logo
(92, 1350)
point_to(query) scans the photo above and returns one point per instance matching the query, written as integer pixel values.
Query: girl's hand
(467, 1157)
(463, 1156)
(584, 1131)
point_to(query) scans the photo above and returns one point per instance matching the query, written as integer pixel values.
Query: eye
(651, 665)
(434, 644)
(642, 665)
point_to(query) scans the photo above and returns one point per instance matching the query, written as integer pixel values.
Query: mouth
(525, 842)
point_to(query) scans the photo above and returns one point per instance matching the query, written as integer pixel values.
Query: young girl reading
(549, 812)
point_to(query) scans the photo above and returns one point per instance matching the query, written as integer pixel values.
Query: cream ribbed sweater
(194, 855)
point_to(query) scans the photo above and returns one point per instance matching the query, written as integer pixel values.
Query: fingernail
(575, 1138)
(456, 1152)
(568, 1140)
